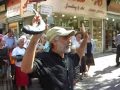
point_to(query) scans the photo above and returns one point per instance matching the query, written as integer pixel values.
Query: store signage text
(74, 7)
(92, 8)
(95, 2)
(77, 8)
(13, 10)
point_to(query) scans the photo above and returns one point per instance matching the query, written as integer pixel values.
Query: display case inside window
(97, 34)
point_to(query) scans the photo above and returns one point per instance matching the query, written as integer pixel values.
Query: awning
(14, 19)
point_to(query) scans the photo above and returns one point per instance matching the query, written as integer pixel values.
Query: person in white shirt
(21, 78)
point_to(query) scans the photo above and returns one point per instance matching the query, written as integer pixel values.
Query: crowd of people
(51, 56)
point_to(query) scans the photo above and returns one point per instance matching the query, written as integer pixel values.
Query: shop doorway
(15, 27)
(108, 40)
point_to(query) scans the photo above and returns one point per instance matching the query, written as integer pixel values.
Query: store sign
(26, 9)
(30, 7)
(13, 10)
(12, 2)
(91, 8)
(46, 10)
(114, 7)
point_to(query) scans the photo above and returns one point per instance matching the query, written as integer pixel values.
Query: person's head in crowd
(78, 36)
(10, 33)
(60, 39)
(24, 37)
(21, 42)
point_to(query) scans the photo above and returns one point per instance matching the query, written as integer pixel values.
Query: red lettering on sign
(81, 0)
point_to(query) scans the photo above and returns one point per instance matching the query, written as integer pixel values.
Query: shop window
(97, 34)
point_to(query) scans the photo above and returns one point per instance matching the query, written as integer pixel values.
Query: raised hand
(36, 19)
(38, 25)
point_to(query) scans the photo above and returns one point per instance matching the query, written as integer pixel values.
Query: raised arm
(81, 49)
(28, 58)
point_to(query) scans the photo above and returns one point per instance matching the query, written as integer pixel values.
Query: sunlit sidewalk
(103, 76)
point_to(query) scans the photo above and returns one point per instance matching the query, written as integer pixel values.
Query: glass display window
(97, 34)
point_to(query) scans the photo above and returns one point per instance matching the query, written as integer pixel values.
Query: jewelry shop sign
(91, 8)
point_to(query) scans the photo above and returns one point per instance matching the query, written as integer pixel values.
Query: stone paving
(103, 76)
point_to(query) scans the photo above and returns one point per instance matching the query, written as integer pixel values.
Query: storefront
(112, 27)
(14, 23)
(14, 19)
(70, 13)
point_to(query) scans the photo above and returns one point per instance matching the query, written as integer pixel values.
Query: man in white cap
(56, 67)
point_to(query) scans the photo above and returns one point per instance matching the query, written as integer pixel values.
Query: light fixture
(107, 18)
(55, 16)
(113, 20)
(48, 15)
(74, 17)
(63, 15)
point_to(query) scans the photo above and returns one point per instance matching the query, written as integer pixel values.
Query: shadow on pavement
(103, 54)
(109, 69)
(96, 82)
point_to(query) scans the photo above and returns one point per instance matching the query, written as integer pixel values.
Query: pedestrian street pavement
(103, 76)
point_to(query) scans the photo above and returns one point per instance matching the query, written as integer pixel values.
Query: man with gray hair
(56, 67)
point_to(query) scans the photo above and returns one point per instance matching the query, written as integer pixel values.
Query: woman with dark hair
(89, 52)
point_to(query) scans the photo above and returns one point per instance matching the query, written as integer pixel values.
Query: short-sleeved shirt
(18, 51)
(9, 41)
(55, 73)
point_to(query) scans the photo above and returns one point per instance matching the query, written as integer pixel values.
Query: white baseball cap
(58, 31)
